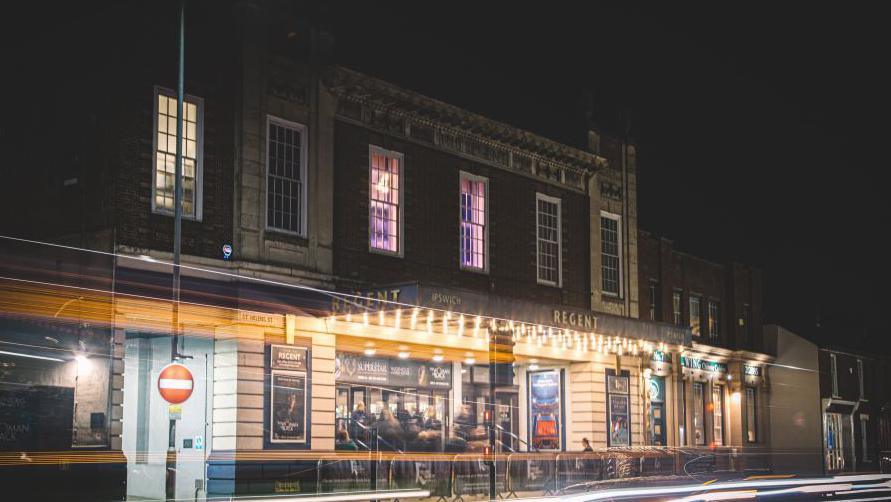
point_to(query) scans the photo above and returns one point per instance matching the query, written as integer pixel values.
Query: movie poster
(619, 421)
(288, 407)
(544, 410)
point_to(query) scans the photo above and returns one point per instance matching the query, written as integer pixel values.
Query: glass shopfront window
(393, 404)
(718, 414)
(698, 413)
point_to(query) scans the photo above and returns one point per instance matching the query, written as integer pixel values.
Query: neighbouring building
(717, 390)
(795, 412)
(856, 410)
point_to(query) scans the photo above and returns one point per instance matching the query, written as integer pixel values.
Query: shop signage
(375, 299)
(754, 371)
(545, 411)
(259, 318)
(703, 364)
(352, 368)
(576, 320)
(288, 357)
(658, 356)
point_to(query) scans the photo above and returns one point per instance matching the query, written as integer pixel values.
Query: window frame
(618, 219)
(677, 315)
(698, 299)
(751, 425)
(716, 334)
(833, 375)
(864, 436)
(718, 414)
(551, 200)
(462, 175)
(653, 288)
(303, 130)
(861, 381)
(159, 90)
(400, 241)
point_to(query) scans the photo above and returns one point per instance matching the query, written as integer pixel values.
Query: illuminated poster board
(618, 408)
(288, 396)
(545, 410)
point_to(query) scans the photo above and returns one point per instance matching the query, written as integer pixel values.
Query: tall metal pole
(177, 238)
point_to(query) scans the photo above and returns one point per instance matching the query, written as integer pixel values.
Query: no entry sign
(175, 383)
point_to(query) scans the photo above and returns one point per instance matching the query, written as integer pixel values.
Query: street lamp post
(177, 238)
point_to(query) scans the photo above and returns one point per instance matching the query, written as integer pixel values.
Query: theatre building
(364, 267)
(718, 388)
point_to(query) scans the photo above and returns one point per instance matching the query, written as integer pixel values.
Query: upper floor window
(676, 315)
(610, 252)
(745, 324)
(833, 369)
(285, 176)
(474, 222)
(695, 314)
(547, 216)
(164, 172)
(385, 201)
(860, 378)
(713, 320)
(654, 300)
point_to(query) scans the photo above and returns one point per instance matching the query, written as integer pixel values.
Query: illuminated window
(718, 414)
(474, 241)
(547, 212)
(385, 204)
(713, 320)
(676, 314)
(610, 253)
(695, 310)
(751, 416)
(164, 172)
(698, 414)
(285, 176)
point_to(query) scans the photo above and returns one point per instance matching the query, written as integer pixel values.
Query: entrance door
(657, 410)
(834, 440)
(146, 421)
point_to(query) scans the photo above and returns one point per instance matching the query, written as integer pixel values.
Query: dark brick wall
(431, 224)
(732, 285)
(211, 75)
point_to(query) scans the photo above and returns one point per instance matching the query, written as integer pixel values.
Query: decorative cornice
(380, 105)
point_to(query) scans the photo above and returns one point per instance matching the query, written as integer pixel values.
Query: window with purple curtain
(385, 204)
(473, 222)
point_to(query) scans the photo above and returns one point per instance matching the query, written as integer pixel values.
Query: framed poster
(618, 408)
(287, 407)
(545, 410)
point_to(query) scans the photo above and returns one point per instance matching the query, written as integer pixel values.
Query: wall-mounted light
(370, 352)
(437, 358)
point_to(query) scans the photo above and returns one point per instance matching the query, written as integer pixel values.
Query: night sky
(762, 127)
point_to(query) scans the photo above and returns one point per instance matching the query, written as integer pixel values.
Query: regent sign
(574, 319)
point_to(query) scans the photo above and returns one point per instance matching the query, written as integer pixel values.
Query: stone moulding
(380, 105)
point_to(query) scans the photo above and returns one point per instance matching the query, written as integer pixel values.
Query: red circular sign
(175, 383)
